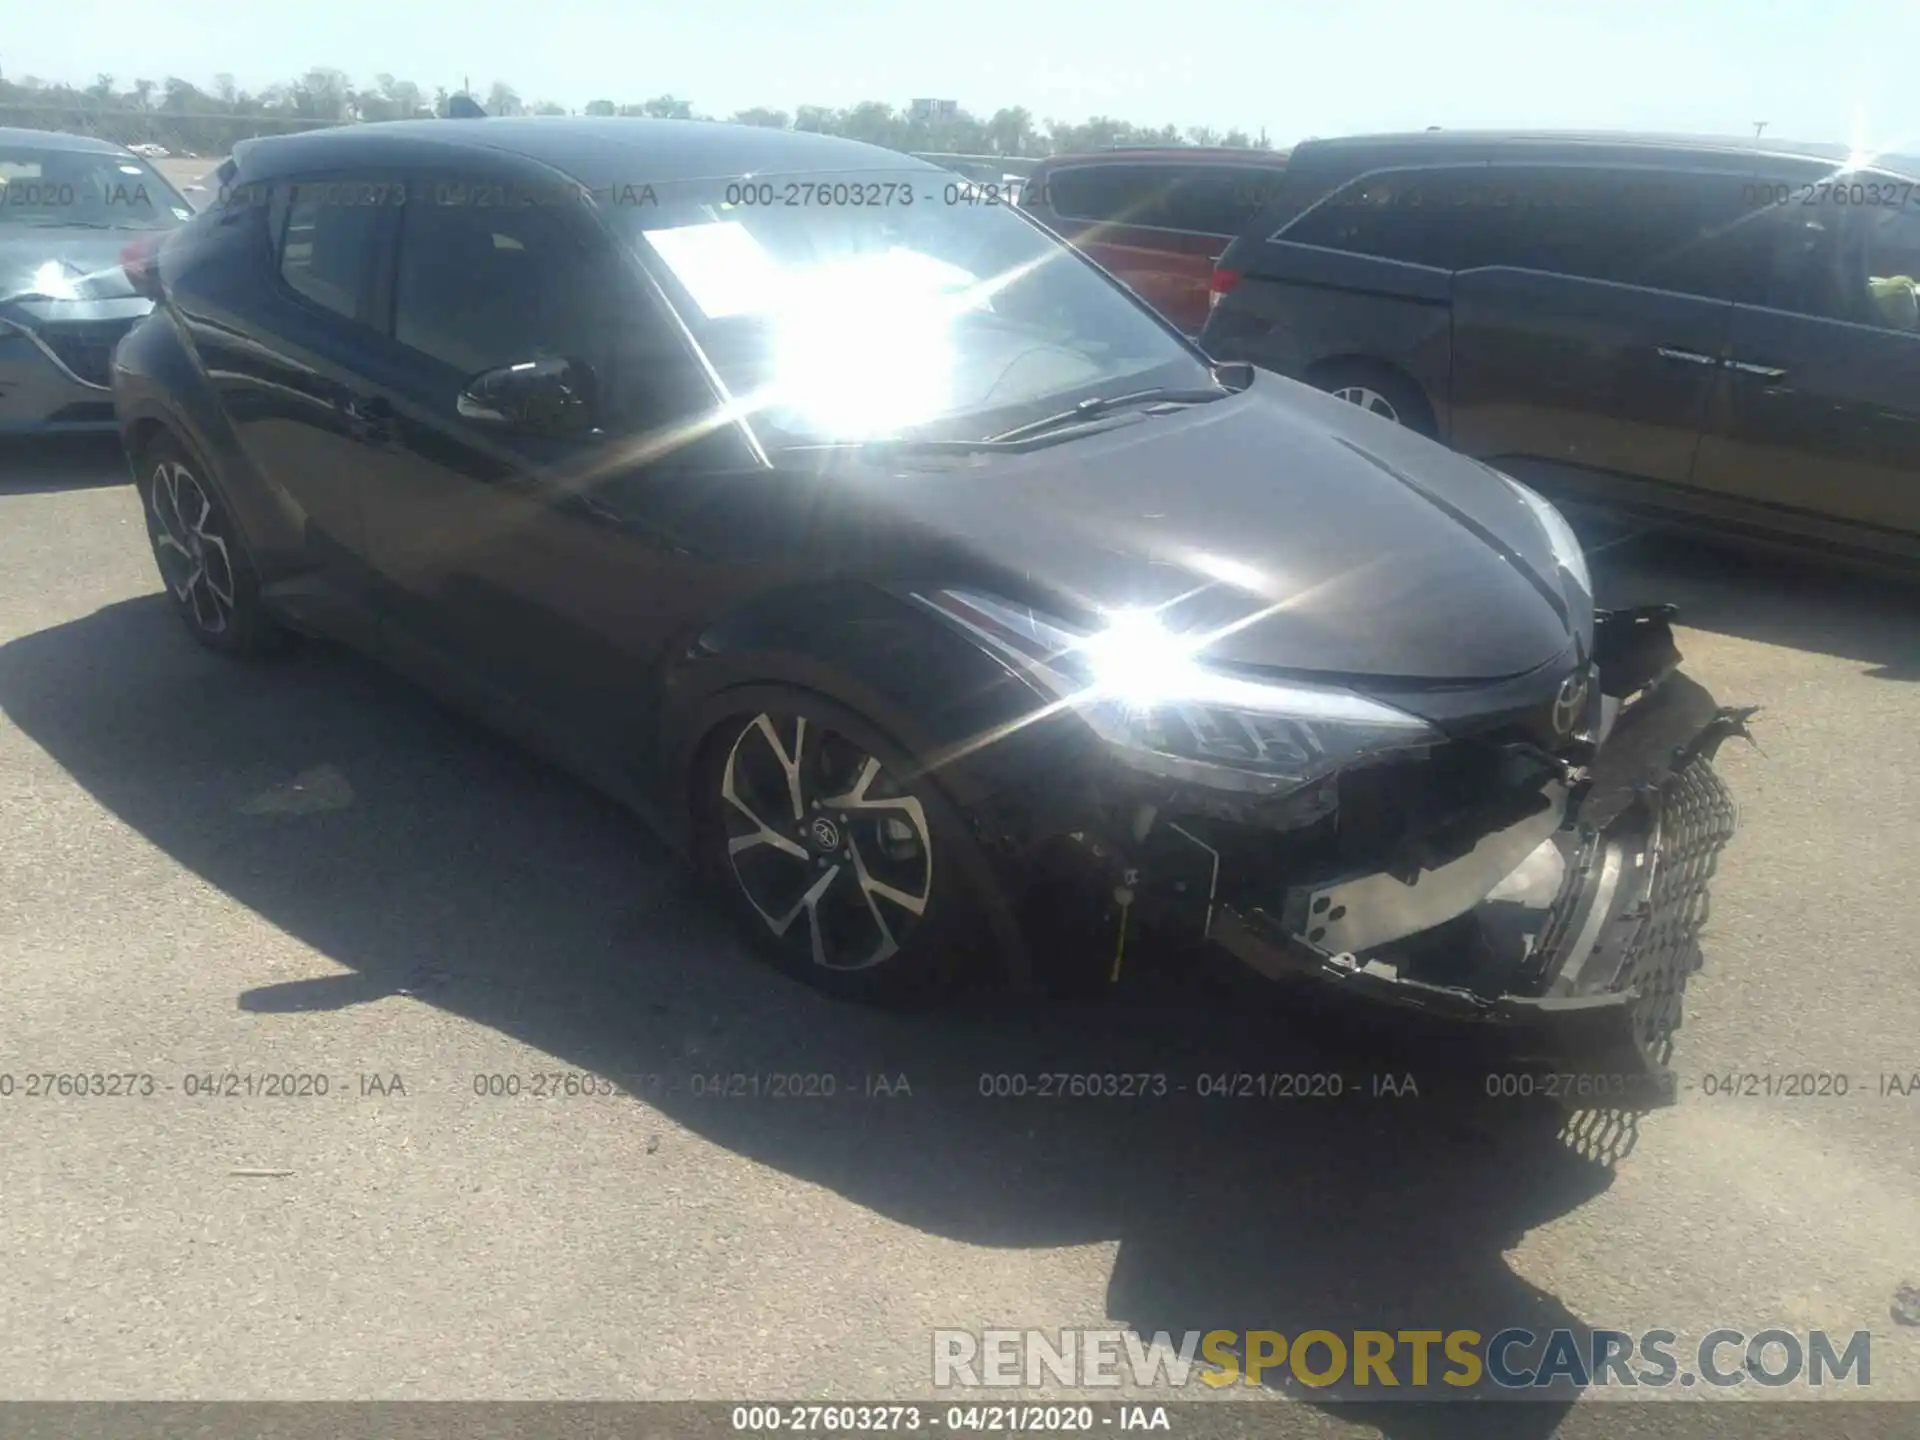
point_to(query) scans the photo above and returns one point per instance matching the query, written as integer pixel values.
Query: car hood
(1308, 535)
(25, 250)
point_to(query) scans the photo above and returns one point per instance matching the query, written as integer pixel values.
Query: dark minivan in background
(1157, 219)
(1717, 331)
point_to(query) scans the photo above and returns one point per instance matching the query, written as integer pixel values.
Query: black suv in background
(1721, 331)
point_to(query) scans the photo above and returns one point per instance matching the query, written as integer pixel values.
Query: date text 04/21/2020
(1207, 1085)
(983, 1419)
(196, 1085)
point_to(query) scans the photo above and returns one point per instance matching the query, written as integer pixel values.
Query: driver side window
(1858, 263)
(481, 286)
(1892, 243)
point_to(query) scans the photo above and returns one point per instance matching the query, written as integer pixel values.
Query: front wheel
(846, 866)
(1381, 392)
(203, 561)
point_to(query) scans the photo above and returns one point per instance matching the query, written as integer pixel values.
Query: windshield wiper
(1104, 404)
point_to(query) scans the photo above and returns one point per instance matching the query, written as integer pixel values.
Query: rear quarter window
(1419, 216)
(1111, 194)
(1220, 200)
(325, 233)
(1197, 199)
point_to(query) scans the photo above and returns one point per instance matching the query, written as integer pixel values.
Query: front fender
(156, 384)
(939, 696)
(961, 713)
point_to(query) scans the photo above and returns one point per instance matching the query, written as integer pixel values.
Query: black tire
(876, 891)
(209, 577)
(1381, 391)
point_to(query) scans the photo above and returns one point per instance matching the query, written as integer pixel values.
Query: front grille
(85, 347)
(1385, 807)
(1697, 821)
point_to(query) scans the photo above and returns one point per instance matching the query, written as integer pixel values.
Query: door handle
(370, 414)
(1692, 357)
(1770, 372)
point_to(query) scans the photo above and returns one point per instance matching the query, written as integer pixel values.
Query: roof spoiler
(464, 107)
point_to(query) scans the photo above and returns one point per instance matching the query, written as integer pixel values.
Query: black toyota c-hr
(915, 578)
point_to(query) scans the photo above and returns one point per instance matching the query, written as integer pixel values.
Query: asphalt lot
(304, 869)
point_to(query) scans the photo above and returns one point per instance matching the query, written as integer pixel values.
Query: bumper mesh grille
(1697, 820)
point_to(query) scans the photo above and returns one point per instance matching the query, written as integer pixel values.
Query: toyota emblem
(1570, 704)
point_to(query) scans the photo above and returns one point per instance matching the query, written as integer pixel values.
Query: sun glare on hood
(55, 281)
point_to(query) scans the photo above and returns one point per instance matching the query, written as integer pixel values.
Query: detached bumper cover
(1598, 995)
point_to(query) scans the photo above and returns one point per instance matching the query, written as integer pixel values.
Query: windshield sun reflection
(849, 324)
(863, 347)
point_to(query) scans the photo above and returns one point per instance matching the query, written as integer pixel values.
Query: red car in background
(1158, 218)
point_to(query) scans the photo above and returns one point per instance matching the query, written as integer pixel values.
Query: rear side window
(1202, 199)
(1891, 247)
(328, 230)
(1417, 216)
(1852, 262)
(1112, 194)
(480, 286)
(1669, 230)
(1221, 200)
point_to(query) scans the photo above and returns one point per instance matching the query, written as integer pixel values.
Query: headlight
(1148, 692)
(1567, 552)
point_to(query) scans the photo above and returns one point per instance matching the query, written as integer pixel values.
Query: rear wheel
(203, 561)
(845, 867)
(1379, 391)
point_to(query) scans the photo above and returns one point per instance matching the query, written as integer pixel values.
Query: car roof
(58, 140)
(1198, 154)
(1440, 144)
(595, 150)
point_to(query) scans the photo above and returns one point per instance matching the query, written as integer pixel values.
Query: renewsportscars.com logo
(1513, 1359)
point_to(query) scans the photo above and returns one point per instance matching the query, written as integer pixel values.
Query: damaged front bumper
(1586, 913)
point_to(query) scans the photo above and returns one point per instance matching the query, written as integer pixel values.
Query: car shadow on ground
(427, 859)
(32, 465)
(1751, 594)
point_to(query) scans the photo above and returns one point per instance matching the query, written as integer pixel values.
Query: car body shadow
(1774, 597)
(429, 860)
(39, 464)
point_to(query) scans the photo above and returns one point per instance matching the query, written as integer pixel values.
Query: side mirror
(1233, 374)
(549, 396)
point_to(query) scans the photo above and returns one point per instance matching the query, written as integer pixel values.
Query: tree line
(184, 116)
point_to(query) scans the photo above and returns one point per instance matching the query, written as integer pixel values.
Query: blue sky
(1814, 71)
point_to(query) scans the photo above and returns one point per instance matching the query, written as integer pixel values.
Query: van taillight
(1223, 283)
(140, 263)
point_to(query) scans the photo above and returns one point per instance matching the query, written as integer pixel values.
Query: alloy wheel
(1371, 401)
(818, 831)
(193, 555)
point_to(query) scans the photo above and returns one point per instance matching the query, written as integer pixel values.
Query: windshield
(858, 305)
(89, 189)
